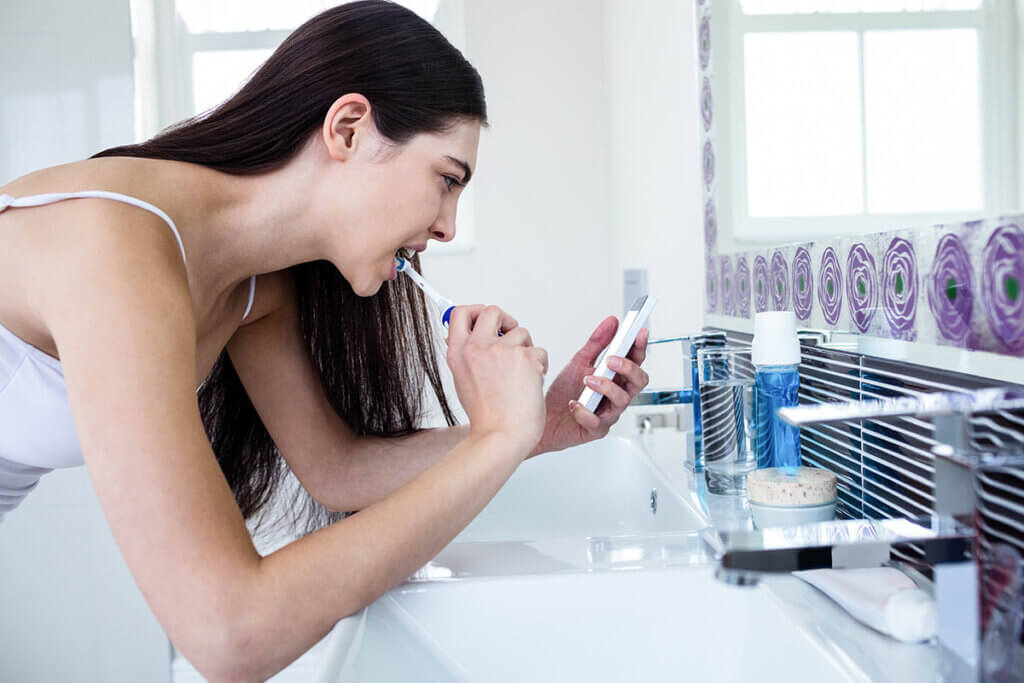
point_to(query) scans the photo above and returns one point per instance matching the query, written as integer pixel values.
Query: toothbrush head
(401, 263)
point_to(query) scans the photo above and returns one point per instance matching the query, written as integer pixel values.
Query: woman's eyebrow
(465, 168)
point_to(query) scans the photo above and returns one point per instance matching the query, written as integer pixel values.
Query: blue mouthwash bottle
(776, 355)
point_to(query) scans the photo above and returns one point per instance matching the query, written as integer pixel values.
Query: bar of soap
(791, 486)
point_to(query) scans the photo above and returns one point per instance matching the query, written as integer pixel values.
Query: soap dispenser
(776, 357)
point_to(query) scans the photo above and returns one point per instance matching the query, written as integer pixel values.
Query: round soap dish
(782, 496)
(791, 515)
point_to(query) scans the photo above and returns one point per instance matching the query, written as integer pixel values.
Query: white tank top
(37, 433)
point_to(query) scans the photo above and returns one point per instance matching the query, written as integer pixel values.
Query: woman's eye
(450, 182)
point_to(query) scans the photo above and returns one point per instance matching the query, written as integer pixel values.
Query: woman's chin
(367, 287)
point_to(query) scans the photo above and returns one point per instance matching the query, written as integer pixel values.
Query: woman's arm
(127, 342)
(343, 472)
(375, 467)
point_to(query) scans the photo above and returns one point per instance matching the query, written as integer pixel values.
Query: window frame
(995, 22)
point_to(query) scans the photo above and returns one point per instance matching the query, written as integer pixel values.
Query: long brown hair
(376, 354)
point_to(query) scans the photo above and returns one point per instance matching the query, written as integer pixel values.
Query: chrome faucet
(979, 615)
(678, 396)
(681, 395)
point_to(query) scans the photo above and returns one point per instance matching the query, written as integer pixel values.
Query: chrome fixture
(981, 445)
(648, 422)
(838, 544)
(680, 395)
(677, 396)
(952, 412)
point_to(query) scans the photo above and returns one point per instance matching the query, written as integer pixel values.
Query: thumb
(600, 338)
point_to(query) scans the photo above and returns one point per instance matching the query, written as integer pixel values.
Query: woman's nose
(443, 229)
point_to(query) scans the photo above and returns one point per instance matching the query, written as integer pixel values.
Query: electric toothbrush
(402, 265)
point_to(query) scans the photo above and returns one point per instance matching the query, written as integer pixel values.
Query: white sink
(655, 625)
(568, 575)
(602, 488)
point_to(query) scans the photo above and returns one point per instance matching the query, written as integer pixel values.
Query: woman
(252, 248)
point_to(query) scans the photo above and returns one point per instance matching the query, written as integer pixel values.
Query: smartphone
(636, 318)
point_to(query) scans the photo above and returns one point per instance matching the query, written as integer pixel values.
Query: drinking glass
(726, 381)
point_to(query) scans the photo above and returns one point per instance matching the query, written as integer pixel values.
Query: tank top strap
(252, 295)
(51, 197)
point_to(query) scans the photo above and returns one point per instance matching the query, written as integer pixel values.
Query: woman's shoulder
(84, 174)
(98, 228)
(50, 248)
(84, 223)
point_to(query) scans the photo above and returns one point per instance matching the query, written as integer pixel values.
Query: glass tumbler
(726, 381)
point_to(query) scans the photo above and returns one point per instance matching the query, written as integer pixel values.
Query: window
(859, 115)
(190, 55)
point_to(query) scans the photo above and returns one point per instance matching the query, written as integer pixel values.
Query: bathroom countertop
(636, 606)
(867, 652)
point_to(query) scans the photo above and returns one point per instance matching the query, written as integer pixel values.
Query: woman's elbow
(228, 651)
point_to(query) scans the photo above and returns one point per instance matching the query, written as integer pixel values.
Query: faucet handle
(847, 543)
(712, 337)
(922, 405)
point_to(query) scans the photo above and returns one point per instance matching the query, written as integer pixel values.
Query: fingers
(484, 320)
(542, 357)
(520, 336)
(461, 322)
(629, 380)
(492, 320)
(601, 337)
(584, 418)
(487, 324)
(638, 353)
(628, 373)
(506, 322)
(615, 395)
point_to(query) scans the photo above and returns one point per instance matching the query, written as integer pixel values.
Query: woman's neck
(235, 226)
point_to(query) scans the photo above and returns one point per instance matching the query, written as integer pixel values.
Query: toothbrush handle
(446, 317)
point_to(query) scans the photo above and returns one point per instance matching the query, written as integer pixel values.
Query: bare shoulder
(93, 245)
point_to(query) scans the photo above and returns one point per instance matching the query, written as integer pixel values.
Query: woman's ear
(349, 123)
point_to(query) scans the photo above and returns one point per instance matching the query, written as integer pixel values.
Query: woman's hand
(499, 380)
(569, 423)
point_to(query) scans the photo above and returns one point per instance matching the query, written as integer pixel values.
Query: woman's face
(400, 197)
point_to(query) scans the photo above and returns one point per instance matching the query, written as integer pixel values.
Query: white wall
(591, 165)
(655, 165)
(64, 92)
(70, 609)
(542, 187)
